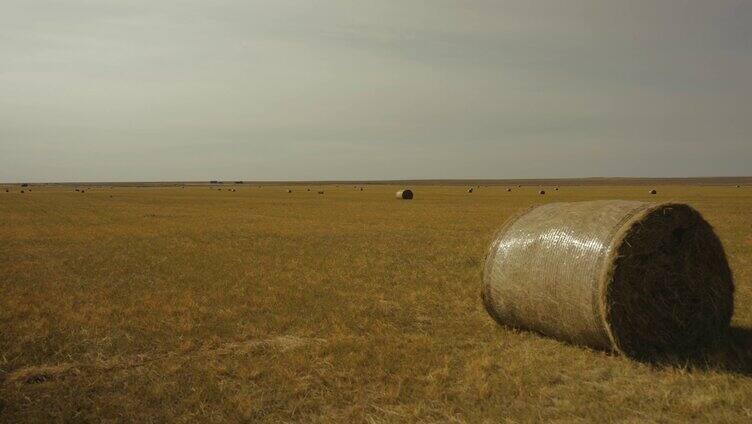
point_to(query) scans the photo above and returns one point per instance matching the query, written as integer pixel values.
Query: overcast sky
(96, 90)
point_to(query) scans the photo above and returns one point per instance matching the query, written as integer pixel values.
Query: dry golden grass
(171, 304)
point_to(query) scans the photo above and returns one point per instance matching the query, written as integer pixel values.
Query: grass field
(190, 304)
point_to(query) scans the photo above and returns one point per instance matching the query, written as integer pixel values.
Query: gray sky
(102, 90)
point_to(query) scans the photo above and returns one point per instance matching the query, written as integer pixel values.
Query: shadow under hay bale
(645, 280)
(405, 194)
(730, 352)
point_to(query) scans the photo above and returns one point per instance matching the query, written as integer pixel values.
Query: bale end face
(671, 288)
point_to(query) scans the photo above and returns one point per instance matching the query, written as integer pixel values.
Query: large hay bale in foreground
(406, 194)
(638, 278)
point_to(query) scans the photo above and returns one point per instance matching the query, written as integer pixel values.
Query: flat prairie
(190, 304)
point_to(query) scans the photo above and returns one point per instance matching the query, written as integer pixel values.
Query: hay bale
(22, 191)
(289, 191)
(361, 189)
(405, 194)
(321, 192)
(470, 190)
(637, 278)
(653, 191)
(509, 189)
(556, 188)
(542, 192)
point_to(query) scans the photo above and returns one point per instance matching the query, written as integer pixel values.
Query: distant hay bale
(405, 194)
(542, 192)
(470, 190)
(308, 189)
(289, 191)
(556, 188)
(22, 191)
(653, 191)
(737, 186)
(321, 192)
(509, 189)
(642, 279)
(361, 189)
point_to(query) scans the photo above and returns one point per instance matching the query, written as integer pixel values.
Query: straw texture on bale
(406, 194)
(641, 279)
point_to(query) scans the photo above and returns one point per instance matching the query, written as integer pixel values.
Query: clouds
(342, 89)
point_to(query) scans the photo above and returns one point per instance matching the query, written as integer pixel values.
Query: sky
(157, 90)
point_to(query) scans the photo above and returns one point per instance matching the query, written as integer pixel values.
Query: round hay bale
(556, 188)
(642, 279)
(470, 190)
(542, 192)
(321, 192)
(653, 191)
(289, 191)
(22, 191)
(405, 194)
(509, 189)
(737, 186)
(361, 189)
